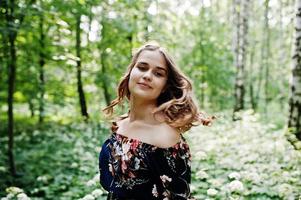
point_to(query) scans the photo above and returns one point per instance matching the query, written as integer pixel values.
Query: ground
(246, 159)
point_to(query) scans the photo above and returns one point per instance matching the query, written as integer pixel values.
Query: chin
(144, 95)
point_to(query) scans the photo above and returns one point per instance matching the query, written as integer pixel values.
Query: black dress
(131, 169)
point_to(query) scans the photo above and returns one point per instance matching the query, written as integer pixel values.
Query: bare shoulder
(121, 121)
(122, 125)
(161, 135)
(167, 136)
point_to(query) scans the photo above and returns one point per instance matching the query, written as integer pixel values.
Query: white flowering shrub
(58, 162)
(212, 192)
(245, 159)
(15, 193)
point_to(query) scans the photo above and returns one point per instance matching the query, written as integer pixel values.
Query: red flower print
(134, 144)
(123, 166)
(174, 154)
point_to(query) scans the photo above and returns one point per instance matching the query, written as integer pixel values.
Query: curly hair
(176, 102)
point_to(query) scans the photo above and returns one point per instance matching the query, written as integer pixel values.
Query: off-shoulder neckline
(182, 140)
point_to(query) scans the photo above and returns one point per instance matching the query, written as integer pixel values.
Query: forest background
(61, 61)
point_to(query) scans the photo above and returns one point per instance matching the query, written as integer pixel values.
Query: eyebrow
(161, 68)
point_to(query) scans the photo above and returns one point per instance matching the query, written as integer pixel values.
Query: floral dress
(132, 169)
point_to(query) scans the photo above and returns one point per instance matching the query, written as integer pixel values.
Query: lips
(144, 85)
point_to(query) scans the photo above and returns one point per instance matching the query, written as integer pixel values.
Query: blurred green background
(61, 61)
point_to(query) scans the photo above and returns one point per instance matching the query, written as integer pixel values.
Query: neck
(141, 110)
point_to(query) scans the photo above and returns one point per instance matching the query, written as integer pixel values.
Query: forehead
(153, 58)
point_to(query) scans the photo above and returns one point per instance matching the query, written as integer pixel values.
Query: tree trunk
(282, 54)
(104, 79)
(202, 60)
(82, 99)
(41, 71)
(147, 20)
(11, 83)
(240, 44)
(132, 38)
(251, 86)
(260, 77)
(31, 108)
(11, 89)
(238, 88)
(294, 121)
(266, 54)
(4, 60)
(12, 28)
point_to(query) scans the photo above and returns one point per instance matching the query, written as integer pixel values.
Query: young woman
(146, 156)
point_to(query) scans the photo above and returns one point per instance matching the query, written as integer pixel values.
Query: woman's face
(148, 76)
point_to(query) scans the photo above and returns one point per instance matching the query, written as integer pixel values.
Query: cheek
(133, 78)
(134, 74)
(161, 84)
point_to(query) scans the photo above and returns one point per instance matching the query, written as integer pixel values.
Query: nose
(147, 75)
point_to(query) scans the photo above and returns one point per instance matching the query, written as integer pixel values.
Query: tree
(294, 122)
(80, 89)
(14, 21)
(240, 44)
(41, 64)
(266, 53)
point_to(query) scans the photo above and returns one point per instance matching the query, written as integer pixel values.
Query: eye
(158, 74)
(141, 67)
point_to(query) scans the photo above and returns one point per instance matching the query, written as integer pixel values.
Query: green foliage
(209, 63)
(198, 35)
(248, 159)
(55, 160)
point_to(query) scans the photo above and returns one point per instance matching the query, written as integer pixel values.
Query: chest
(145, 134)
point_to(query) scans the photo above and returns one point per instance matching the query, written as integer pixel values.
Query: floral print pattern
(131, 169)
(126, 161)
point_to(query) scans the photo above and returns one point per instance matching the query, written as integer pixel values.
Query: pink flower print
(185, 146)
(134, 144)
(131, 174)
(125, 147)
(123, 166)
(119, 138)
(165, 178)
(111, 169)
(154, 191)
(174, 154)
(165, 194)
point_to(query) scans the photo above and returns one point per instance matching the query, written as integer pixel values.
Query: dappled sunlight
(62, 62)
